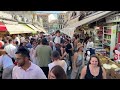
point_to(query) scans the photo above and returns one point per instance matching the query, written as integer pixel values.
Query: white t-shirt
(30, 37)
(89, 45)
(62, 63)
(11, 50)
(5, 61)
(22, 39)
(17, 39)
(57, 39)
(32, 56)
(33, 72)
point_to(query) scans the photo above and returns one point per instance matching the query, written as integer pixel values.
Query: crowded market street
(59, 45)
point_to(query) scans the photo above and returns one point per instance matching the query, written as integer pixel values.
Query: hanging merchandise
(99, 36)
(109, 37)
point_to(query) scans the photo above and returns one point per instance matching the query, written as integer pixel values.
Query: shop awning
(97, 16)
(33, 27)
(41, 29)
(68, 31)
(18, 29)
(2, 27)
(93, 18)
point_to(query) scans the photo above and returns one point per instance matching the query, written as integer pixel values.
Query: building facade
(37, 20)
(21, 16)
(24, 17)
(45, 20)
(53, 26)
(62, 18)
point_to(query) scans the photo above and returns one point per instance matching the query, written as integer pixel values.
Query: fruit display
(110, 66)
(107, 66)
(107, 49)
(102, 59)
(106, 60)
(114, 66)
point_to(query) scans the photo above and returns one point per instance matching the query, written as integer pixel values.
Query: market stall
(112, 68)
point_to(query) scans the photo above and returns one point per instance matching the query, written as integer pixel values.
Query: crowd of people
(49, 57)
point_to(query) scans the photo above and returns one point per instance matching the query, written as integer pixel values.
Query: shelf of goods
(99, 37)
(100, 50)
(111, 71)
(109, 39)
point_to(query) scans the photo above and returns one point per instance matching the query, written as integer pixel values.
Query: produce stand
(111, 73)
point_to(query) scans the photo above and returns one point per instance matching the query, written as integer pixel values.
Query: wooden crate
(114, 75)
(108, 73)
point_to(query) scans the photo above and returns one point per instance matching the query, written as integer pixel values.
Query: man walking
(25, 68)
(43, 54)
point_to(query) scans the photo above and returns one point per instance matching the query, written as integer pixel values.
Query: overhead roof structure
(92, 18)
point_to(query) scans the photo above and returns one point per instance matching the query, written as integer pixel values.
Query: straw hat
(79, 45)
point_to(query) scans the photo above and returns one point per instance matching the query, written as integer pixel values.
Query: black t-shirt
(59, 50)
(90, 76)
(68, 46)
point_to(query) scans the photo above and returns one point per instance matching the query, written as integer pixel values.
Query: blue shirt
(28, 45)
